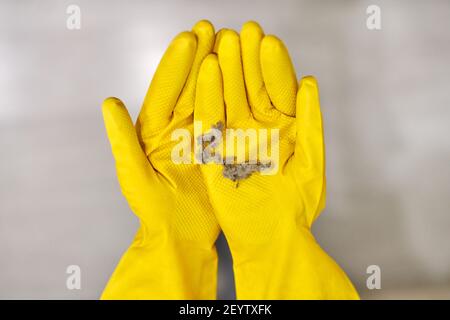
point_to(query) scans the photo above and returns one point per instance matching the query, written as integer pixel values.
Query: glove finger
(251, 37)
(209, 112)
(218, 39)
(309, 154)
(167, 84)
(229, 53)
(209, 105)
(133, 169)
(279, 75)
(204, 31)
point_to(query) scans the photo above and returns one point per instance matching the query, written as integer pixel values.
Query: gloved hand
(267, 218)
(173, 254)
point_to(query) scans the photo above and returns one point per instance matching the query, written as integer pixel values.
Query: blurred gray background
(385, 100)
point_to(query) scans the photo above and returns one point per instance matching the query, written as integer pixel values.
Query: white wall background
(386, 105)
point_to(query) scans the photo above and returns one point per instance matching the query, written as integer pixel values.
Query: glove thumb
(309, 154)
(133, 168)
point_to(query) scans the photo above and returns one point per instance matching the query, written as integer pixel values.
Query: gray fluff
(234, 172)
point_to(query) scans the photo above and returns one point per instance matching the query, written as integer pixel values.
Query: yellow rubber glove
(267, 218)
(173, 254)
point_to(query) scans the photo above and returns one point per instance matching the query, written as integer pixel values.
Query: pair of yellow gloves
(242, 80)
